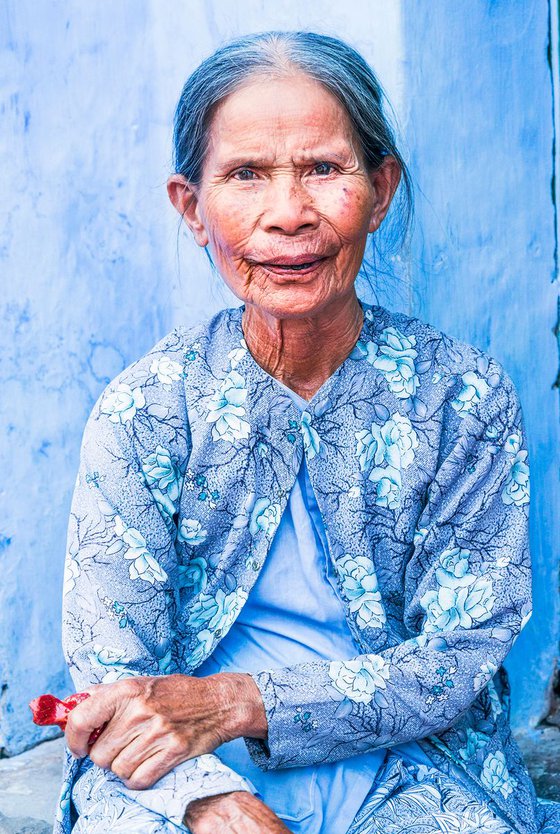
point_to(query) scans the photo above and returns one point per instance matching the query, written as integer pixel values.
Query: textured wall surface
(483, 264)
(94, 268)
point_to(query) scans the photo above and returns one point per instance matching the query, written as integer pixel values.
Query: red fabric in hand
(47, 709)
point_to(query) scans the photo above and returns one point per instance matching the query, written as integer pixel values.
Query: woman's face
(285, 202)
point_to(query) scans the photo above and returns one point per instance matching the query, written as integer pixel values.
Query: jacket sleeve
(120, 597)
(467, 595)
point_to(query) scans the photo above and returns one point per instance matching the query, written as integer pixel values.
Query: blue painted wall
(94, 267)
(479, 121)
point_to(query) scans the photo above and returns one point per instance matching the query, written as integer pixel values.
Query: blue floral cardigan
(416, 451)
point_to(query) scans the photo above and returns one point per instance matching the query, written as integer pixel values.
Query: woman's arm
(120, 600)
(467, 595)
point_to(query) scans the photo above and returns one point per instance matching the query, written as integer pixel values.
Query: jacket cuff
(289, 716)
(196, 778)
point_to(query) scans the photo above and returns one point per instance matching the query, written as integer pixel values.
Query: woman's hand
(238, 812)
(154, 723)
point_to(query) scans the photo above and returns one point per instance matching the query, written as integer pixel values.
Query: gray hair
(331, 62)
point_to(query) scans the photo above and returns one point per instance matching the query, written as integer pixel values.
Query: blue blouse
(294, 614)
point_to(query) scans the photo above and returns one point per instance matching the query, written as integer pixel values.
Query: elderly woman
(298, 543)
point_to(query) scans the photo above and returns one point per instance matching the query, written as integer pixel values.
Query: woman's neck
(303, 352)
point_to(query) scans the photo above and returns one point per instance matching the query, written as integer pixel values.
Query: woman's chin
(292, 301)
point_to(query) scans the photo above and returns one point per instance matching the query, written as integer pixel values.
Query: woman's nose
(289, 207)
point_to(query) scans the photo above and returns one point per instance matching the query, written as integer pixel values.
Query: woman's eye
(323, 168)
(244, 174)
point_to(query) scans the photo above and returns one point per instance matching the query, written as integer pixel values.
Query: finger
(152, 769)
(131, 755)
(97, 710)
(116, 738)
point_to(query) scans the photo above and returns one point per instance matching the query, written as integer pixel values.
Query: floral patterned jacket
(416, 452)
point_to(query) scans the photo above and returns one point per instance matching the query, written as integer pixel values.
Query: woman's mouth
(289, 266)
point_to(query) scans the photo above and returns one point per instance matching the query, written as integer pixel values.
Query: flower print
(527, 613)
(419, 535)
(203, 648)
(394, 356)
(113, 662)
(495, 702)
(495, 775)
(191, 532)
(359, 586)
(63, 805)
(193, 576)
(217, 612)
(120, 526)
(503, 560)
(475, 742)
(454, 570)
(143, 566)
(448, 608)
(122, 404)
(166, 370)
(360, 680)
(226, 410)
(440, 690)
(162, 476)
(264, 516)
(398, 433)
(487, 672)
(311, 440)
(72, 571)
(354, 491)
(161, 471)
(474, 388)
(236, 355)
(517, 488)
(513, 443)
(368, 447)
(388, 486)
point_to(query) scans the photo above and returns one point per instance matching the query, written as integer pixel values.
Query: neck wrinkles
(302, 355)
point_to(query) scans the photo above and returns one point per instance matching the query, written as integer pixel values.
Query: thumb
(90, 715)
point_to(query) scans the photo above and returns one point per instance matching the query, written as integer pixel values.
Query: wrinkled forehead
(280, 115)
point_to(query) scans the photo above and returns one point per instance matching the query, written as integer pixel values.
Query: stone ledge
(29, 786)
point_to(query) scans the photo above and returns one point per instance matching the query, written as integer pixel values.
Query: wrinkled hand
(238, 812)
(155, 723)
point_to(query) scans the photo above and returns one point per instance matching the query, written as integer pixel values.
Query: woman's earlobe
(184, 198)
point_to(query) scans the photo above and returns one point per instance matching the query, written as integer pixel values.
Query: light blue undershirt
(293, 615)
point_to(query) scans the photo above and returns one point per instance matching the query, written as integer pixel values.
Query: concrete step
(29, 786)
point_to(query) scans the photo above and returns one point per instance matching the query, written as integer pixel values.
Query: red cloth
(47, 709)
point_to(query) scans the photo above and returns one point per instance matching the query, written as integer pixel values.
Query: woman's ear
(185, 199)
(384, 180)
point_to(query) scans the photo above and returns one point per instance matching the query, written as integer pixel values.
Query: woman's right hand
(237, 812)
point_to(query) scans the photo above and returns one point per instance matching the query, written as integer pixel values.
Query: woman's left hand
(154, 723)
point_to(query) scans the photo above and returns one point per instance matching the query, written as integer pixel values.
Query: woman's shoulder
(153, 384)
(433, 350)
(436, 366)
